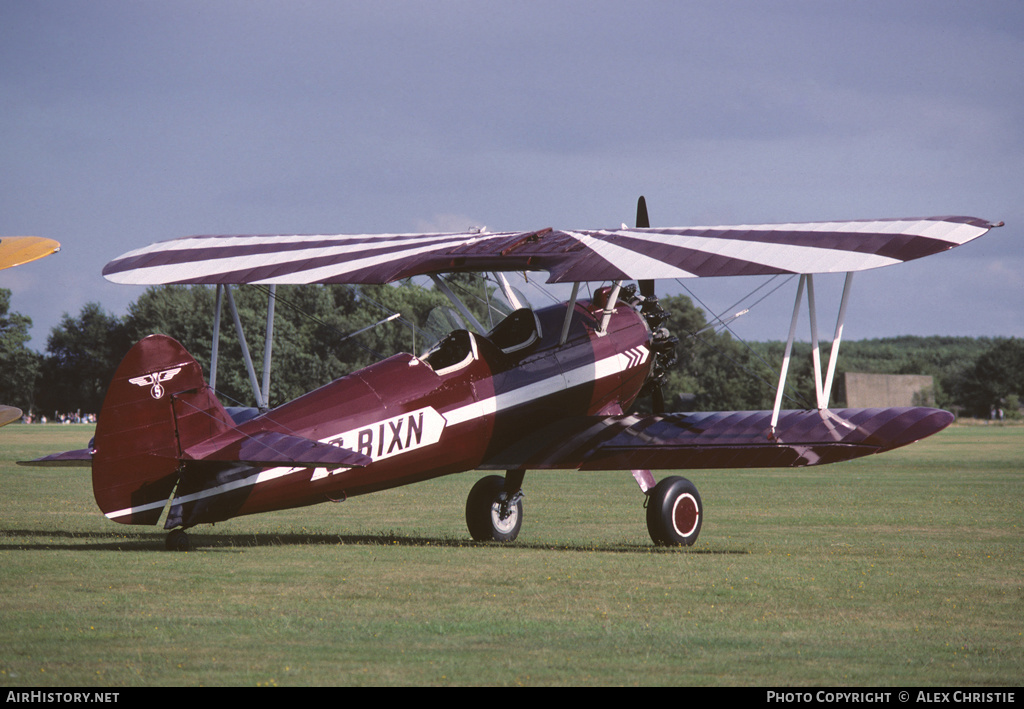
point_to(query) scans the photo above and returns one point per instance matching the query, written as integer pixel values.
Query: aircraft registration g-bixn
(544, 389)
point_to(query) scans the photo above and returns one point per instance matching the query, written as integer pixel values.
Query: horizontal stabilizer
(723, 439)
(264, 449)
(67, 459)
(269, 448)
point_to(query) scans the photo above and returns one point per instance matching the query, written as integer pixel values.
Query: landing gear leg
(494, 509)
(177, 540)
(674, 512)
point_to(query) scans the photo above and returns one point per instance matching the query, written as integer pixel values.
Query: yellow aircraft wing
(16, 250)
(9, 414)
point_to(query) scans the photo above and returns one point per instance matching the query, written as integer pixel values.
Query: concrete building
(871, 390)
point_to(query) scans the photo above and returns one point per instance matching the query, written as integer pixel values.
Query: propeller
(644, 222)
(663, 343)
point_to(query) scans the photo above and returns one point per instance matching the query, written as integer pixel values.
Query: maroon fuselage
(417, 423)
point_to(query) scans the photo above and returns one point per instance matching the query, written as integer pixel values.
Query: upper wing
(16, 250)
(568, 256)
(724, 439)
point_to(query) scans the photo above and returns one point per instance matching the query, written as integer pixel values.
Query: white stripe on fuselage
(606, 367)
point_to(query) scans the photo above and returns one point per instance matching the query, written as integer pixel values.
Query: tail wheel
(492, 513)
(674, 512)
(178, 540)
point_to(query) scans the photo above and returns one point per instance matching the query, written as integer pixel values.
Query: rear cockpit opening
(516, 332)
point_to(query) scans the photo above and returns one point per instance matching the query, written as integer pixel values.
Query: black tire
(674, 512)
(177, 540)
(484, 515)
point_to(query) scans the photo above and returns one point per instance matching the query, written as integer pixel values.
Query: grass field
(906, 569)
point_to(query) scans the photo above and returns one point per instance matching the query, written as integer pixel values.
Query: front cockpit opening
(454, 351)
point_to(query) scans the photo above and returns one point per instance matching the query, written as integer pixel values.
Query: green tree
(720, 372)
(19, 366)
(944, 358)
(325, 332)
(994, 380)
(82, 355)
(182, 312)
(313, 340)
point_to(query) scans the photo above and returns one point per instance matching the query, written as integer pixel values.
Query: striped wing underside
(567, 256)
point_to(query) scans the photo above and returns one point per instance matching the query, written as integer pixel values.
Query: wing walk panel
(824, 247)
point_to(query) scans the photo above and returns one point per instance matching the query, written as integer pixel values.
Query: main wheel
(674, 512)
(493, 515)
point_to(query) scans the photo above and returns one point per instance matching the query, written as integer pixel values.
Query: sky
(126, 122)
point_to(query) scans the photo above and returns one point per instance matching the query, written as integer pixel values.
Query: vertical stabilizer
(157, 405)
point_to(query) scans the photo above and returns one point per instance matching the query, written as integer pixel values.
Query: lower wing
(722, 439)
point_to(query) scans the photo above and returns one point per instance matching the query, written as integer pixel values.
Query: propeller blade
(643, 222)
(664, 343)
(657, 400)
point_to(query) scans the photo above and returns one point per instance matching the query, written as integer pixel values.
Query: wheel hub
(505, 511)
(685, 514)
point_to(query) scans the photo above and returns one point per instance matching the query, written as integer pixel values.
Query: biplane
(15, 251)
(543, 389)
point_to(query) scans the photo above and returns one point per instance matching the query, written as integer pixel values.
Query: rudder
(157, 405)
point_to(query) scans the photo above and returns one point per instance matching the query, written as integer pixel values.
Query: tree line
(313, 344)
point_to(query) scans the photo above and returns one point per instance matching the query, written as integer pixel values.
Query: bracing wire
(321, 322)
(720, 324)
